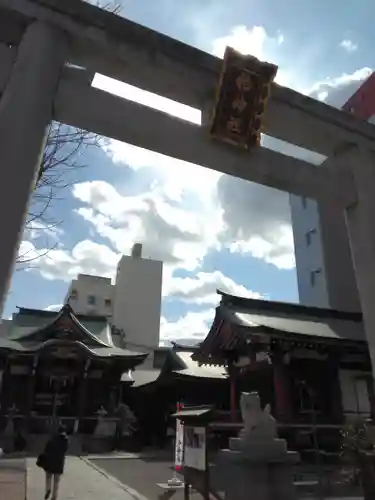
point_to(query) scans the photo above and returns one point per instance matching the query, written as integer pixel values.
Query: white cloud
(37, 229)
(337, 90)
(53, 307)
(257, 42)
(348, 45)
(177, 178)
(202, 288)
(38, 238)
(177, 236)
(276, 248)
(86, 257)
(254, 41)
(194, 326)
(257, 221)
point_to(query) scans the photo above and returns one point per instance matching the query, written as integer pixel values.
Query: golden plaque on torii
(241, 99)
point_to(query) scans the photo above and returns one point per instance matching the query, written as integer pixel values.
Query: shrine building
(288, 352)
(61, 366)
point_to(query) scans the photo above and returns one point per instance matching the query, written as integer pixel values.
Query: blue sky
(210, 230)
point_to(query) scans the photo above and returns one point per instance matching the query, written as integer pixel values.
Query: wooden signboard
(196, 470)
(241, 99)
(195, 448)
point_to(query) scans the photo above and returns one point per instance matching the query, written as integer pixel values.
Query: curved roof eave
(101, 352)
(65, 310)
(37, 329)
(75, 320)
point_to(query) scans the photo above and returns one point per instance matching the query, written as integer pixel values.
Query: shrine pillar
(31, 388)
(371, 396)
(82, 395)
(282, 388)
(232, 372)
(5, 383)
(360, 161)
(26, 110)
(335, 394)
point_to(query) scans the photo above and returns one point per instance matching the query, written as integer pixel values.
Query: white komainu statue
(258, 424)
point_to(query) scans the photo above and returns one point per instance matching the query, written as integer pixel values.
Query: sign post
(179, 449)
(190, 453)
(195, 421)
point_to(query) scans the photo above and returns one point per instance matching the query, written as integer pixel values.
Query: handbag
(41, 460)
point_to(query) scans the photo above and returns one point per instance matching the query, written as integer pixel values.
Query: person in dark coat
(54, 461)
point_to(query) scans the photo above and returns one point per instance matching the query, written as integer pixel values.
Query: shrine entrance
(62, 372)
(56, 396)
(49, 54)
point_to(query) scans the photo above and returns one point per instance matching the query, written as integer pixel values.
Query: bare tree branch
(63, 155)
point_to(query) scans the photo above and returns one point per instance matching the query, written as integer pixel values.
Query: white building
(91, 295)
(325, 271)
(324, 264)
(133, 302)
(311, 276)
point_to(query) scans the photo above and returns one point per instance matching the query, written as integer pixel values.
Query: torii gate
(39, 37)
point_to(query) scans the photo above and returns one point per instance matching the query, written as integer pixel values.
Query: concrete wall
(91, 295)
(5, 325)
(326, 250)
(339, 271)
(311, 277)
(137, 301)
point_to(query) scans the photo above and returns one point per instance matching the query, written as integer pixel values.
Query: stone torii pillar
(360, 220)
(26, 110)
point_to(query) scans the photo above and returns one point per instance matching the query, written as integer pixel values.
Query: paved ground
(81, 481)
(143, 475)
(12, 479)
(123, 477)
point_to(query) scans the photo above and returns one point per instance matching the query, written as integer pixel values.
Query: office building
(132, 303)
(324, 265)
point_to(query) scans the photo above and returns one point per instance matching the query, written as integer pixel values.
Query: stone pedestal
(257, 470)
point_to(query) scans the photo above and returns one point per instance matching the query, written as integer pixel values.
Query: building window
(107, 302)
(304, 201)
(308, 236)
(73, 295)
(91, 300)
(313, 276)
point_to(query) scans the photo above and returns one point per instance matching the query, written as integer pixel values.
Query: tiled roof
(31, 333)
(239, 322)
